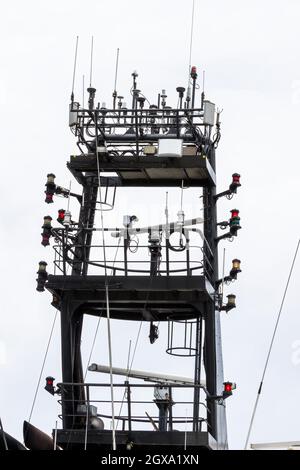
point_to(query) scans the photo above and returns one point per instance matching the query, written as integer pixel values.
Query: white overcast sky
(250, 52)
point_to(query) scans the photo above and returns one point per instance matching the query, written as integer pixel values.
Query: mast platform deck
(136, 297)
(193, 170)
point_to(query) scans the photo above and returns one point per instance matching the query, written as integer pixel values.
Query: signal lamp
(47, 221)
(61, 215)
(50, 178)
(228, 387)
(49, 385)
(235, 182)
(194, 72)
(46, 234)
(234, 224)
(67, 219)
(230, 301)
(42, 276)
(236, 268)
(50, 188)
(234, 213)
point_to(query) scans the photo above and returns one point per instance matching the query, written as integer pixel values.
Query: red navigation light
(49, 385)
(235, 183)
(236, 178)
(228, 387)
(234, 213)
(61, 215)
(194, 72)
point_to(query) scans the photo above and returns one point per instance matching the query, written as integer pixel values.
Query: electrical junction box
(170, 148)
(161, 393)
(73, 114)
(209, 113)
(149, 150)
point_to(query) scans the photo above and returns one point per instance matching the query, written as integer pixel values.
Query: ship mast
(145, 146)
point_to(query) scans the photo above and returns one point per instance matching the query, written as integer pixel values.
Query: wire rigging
(98, 322)
(106, 297)
(42, 368)
(271, 347)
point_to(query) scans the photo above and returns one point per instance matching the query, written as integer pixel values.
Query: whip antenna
(74, 69)
(83, 91)
(191, 38)
(116, 76)
(91, 66)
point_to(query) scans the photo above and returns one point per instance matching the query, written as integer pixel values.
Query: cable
(98, 323)
(270, 348)
(106, 299)
(42, 369)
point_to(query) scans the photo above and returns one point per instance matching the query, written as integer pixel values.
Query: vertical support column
(71, 324)
(212, 345)
(197, 377)
(68, 407)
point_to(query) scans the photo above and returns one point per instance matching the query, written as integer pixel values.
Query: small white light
(67, 219)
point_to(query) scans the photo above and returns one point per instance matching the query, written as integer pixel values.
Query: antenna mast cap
(135, 74)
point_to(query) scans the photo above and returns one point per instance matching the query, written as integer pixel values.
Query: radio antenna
(83, 91)
(91, 66)
(116, 76)
(74, 69)
(191, 38)
(203, 94)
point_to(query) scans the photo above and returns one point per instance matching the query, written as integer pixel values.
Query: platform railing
(129, 257)
(167, 408)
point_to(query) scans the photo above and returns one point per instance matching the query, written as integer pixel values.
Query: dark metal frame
(121, 136)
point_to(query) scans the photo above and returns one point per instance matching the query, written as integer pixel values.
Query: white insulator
(67, 219)
(180, 220)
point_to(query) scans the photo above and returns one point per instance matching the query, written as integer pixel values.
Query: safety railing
(158, 407)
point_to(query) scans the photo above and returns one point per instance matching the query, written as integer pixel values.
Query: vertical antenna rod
(116, 76)
(91, 66)
(83, 91)
(191, 40)
(203, 94)
(74, 69)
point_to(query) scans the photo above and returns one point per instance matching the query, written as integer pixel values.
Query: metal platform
(74, 439)
(150, 171)
(136, 297)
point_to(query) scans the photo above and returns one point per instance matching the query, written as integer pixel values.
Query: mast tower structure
(147, 147)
